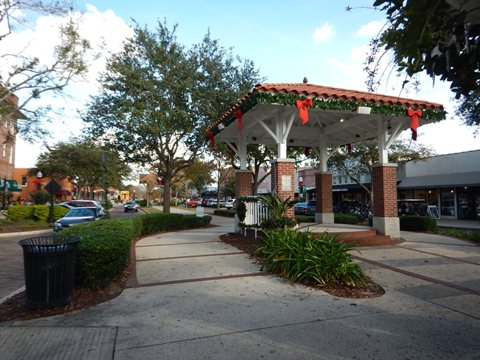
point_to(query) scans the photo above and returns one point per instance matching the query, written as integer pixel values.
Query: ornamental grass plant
(302, 256)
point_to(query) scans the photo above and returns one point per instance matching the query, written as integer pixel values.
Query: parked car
(84, 203)
(194, 202)
(221, 203)
(131, 205)
(77, 216)
(305, 208)
(230, 203)
(205, 202)
(300, 208)
(212, 203)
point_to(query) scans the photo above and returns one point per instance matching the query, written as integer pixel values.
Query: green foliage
(341, 218)
(303, 257)
(37, 213)
(40, 197)
(304, 219)
(154, 89)
(460, 234)
(142, 203)
(24, 73)
(224, 212)
(16, 213)
(80, 161)
(417, 223)
(104, 251)
(242, 208)
(436, 37)
(278, 208)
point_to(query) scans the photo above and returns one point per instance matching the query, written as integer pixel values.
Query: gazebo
(322, 118)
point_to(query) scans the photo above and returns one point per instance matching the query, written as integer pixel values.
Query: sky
(286, 40)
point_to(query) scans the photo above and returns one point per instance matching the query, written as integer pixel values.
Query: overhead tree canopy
(441, 38)
(157, 98)
(25, 75)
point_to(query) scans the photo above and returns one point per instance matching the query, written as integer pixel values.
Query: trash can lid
(50, 240)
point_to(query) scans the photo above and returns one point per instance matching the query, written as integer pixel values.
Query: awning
(12, 185)
(441, 180)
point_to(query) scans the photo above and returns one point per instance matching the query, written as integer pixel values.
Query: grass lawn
(7, 226)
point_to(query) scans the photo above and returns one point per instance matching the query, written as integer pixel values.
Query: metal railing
(256, 213)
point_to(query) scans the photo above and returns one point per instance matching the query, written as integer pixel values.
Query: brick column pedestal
(243, 186)
(283, 172)
(385, 215)
(324, 198)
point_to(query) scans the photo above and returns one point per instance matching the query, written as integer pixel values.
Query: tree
(437, 37)
(364, 155)
(157, 99)
(80, 162)
(25, 75)
(198, 174)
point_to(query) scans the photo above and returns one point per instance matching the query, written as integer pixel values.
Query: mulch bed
(14, 308)
(249, 245)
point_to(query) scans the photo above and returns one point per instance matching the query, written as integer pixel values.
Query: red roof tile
(326, 92)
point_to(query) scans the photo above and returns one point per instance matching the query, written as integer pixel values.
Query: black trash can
(49, 264)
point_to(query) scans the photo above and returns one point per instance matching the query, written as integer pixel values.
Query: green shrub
(301, 256)
(16, 213)
(460, 234)
(278, 223)
(304, 219)
(142, 203)
(341, 218)
(104, 251)
(417, 223)
(224, 212)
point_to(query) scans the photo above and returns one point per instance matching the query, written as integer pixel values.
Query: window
(24, 180)
(10, 155)
(4, 151)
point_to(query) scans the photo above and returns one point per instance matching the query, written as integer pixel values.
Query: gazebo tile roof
(325, 93)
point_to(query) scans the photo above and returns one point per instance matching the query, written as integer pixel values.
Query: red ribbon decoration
(302, 106)
(306, 152)
(211, 136)
(414, 114)
(238, 115)
(349, 148)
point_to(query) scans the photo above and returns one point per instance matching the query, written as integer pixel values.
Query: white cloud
(106, 33)
(322, 33)
(371, 29)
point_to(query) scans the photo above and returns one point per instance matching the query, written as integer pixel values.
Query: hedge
(104, 250)
(38, 213)
(341, 218)
(224, 212)
(417, 223)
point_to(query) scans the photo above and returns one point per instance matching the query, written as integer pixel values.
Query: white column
(382, 143)
(323, 156)
(242, 151)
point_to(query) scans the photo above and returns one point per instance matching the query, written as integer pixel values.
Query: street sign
(52, 187)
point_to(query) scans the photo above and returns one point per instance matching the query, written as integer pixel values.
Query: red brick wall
(323, 192)
(244, 183)
(384, 182)
(280, 169)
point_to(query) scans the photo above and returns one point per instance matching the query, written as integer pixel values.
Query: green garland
(262, 97)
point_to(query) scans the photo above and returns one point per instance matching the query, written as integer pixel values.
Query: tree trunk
(167, 194)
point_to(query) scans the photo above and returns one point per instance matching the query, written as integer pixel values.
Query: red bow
(211, 136)
(238, 115)
(414, 114)
(349, 148)
(306, 152)
(302, 106)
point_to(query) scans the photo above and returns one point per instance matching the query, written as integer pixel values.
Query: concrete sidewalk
(198, 298)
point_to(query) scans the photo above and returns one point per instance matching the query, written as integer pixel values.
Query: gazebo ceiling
(336, 117)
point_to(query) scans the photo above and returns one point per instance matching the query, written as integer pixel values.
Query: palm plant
(278, 208)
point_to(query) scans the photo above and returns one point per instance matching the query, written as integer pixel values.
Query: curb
(26, 233)
(12, 294)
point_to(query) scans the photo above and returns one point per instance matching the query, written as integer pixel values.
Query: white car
(230, 203)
